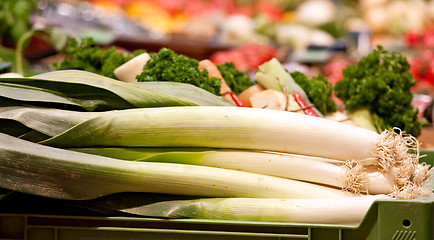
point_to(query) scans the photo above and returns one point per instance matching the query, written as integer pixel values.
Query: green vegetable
(58, 173)
(381, 82)
(235, 79)
(48, 121)
(363, 118)
(237, 128)
(74, 89)
(204, 126)
(227, 128)
(346, 210)
(220, 127)
(84, 56)
(272, 75)
(324, 171)
(318, 89)
(186, 91)
(166, 65)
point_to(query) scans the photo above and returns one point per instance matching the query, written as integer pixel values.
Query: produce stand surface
(386, 219)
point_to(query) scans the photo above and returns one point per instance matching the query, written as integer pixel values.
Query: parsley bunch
(319, 91)
(380, 83)
(166, 65)
(235, 79)
(85, 56)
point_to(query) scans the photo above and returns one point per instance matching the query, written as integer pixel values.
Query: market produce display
(293, 117)
(64, 132)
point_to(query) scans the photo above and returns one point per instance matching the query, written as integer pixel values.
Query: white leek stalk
(58, 173)
(318, 211)
(243, 128)
(240, 128)
(299, 167)
(223, 127)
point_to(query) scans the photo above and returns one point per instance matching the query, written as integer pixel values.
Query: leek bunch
(76, 135)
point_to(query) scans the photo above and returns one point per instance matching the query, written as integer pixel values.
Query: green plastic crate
(428, 156)
(385, 220)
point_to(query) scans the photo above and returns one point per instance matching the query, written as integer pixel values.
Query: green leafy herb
(166, 65)
(318, 89)
(381, 82)
(84, 56)
(235, 79)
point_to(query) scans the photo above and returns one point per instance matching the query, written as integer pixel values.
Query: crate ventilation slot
(404, 235)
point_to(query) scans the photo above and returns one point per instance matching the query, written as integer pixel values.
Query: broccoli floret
(235, 79)
(318, 89)
(381, 82)
(83, 56)
(166, 65)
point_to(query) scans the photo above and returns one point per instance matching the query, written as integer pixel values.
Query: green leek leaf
(348, 211)
(135, 95)
(23, 93)
(99, 91)
(13, 128)
(186, 91)
(50, 122)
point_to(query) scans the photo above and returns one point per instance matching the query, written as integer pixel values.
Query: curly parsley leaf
(381, 82)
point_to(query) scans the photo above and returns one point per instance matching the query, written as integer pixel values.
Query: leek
(222, 127)
(318, 211)
(91, 91)
(100, 92)
(48, 121)
(186, 91)
(235, 128)
(58, 173)
(32, 94)
(142, 94)
(299, 167)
